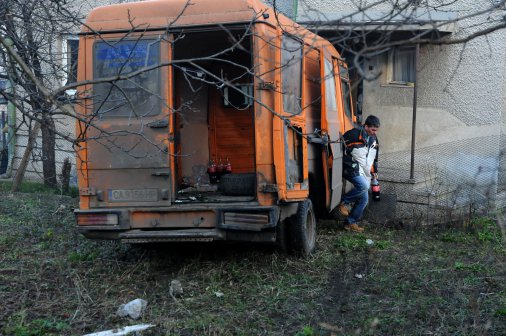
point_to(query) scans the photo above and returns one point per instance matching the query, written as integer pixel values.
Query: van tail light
(97, 219)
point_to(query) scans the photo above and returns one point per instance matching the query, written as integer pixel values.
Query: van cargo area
(212, 149)
(214, 124)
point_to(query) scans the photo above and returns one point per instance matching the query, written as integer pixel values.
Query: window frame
(103, 110)
(246, 93)
(391, 65)
(288, 79)
(69, 68)
(344, 78)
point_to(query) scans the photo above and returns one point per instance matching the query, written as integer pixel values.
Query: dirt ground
(410, 281)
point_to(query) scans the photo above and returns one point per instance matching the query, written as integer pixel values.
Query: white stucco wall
(461, 95)
(460, 101)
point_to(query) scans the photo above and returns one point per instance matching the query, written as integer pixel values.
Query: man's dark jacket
(361, 153)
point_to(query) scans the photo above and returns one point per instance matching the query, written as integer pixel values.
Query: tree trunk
(20, 173)
(65, 175)
(48, 152)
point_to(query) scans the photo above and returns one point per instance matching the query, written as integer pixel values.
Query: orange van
(207, 120)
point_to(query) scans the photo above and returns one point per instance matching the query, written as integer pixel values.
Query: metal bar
(413, 124)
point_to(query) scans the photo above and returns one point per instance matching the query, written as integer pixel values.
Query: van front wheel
(303, 229)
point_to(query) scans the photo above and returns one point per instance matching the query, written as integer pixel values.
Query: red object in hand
(375, 188)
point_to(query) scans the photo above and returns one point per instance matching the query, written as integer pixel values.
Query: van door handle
(162, 123)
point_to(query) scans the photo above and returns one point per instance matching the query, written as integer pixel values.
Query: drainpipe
(295, 5)
(413, 124)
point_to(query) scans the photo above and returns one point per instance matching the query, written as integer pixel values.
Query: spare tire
(238, 184)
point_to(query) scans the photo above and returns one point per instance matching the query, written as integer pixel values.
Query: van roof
(155, 14)
(162, 14)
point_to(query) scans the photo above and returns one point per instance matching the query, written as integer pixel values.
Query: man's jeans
(360, 195)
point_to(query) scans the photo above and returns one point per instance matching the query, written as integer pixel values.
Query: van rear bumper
(197, 223)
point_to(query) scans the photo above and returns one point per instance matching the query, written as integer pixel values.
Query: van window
(137, 96)
(238, 96)
(330, 87)
(345, 88)
(291, 74)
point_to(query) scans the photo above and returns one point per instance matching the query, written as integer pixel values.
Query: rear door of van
(129, 108)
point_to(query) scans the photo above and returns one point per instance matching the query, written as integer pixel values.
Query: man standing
(360, 165)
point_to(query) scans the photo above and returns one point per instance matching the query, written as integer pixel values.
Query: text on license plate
(133, 195)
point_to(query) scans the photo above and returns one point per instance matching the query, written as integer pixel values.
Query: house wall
(64, 149)
(459, 113)
(460, 121)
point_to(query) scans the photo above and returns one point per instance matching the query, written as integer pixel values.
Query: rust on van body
(207, 120)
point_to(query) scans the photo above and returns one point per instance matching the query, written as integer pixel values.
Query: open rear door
(128, 141)
(290, 146)
(331, 123)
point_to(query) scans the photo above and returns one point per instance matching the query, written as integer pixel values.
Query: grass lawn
(417, 281)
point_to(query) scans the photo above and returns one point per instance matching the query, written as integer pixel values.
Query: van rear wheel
(303, 229)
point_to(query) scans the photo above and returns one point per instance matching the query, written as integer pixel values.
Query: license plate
(133, 195)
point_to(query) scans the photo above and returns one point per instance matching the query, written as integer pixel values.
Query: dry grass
(416, 282)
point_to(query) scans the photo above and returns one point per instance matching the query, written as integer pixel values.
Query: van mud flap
(158, 236)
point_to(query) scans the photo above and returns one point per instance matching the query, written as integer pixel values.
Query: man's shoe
(343, 209)
(354, 228)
